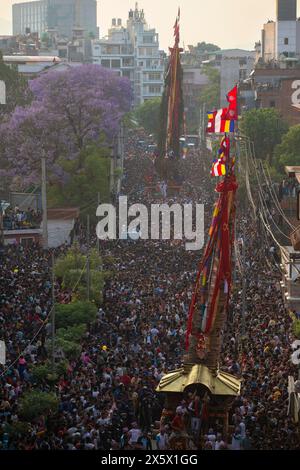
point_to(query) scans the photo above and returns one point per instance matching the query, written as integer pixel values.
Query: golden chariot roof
(190, 374)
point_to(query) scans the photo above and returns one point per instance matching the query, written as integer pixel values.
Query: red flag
(177, 27)
(232, 112)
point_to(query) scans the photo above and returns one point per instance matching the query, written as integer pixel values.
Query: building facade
(280, 89)
(29, 17)
(61, 15)
(133, 52)
(281, 38)
(194, 81)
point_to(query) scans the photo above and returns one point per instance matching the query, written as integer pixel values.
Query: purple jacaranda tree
(70, 109)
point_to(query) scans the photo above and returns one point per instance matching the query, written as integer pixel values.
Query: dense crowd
(107, 398)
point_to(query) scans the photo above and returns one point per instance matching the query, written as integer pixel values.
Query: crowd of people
(15, 218)
(107, 397)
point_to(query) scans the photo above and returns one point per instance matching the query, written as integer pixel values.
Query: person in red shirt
(126, 380)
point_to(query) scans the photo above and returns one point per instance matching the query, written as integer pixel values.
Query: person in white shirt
(134, 434)
(220, 444)
(162, 440)
(236, 440)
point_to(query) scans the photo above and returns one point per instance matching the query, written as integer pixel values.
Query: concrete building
(235, 65)
(278, 87)
(281, 38)
(29, 17)
(133, 52)
(62, 15)
(194, 80)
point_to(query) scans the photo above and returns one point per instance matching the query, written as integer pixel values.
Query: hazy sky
(234, 23)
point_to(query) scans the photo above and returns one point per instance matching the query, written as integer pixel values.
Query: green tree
(44, 373)
(17, 93)
(71, 349)
(288, 151)
(203, 47)
(265, 128)
(18, 430)
(74, 314)
(148, 116)
(73, 333)
(35, 403)
(72, 269)
(89, 175)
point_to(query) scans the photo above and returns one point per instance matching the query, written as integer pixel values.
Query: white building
(281, 38)
(133, 52)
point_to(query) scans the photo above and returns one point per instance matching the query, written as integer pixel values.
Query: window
(286, 41)
(27, 242)
(110, 50)
(116, 63)
(105, 63)
(126, 49)
(155, 89)
(154, 76)
(147, 39)
(189, 76)
(126, 73)
(272, 104)
(128, 62)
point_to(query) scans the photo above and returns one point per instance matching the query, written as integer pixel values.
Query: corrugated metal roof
(178, 380)
(30, 58)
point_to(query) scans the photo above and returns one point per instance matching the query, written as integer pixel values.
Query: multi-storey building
(29, 17)
(281, 38)
(133, 52)
(62, 15)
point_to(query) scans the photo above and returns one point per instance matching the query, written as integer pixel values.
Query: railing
(25, 222)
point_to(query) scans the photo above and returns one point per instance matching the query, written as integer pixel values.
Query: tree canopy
(71, 268)
(147, 116)
(17, 93)
(35, 403)
(206, 47)
(288, 151)
(70, 110)
(88, 175)
(265, 128)
(210, 95)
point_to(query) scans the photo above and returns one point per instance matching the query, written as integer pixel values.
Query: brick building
(279, 88)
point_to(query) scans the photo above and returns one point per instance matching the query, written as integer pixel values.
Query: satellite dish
(296, 358)
(296, 344)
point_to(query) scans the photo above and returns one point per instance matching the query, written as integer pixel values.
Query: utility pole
(88, 268)
(1, 226)
(244, 283)
(112, 170)
(121, 154)
(2, 103)
(53, 314)
(203, 125)
(98, 239)
(44, 204)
